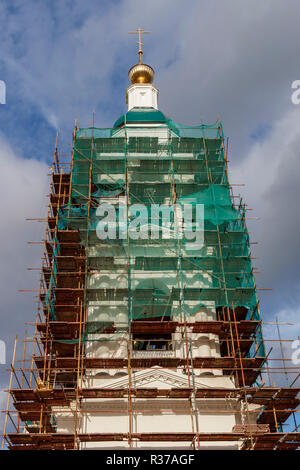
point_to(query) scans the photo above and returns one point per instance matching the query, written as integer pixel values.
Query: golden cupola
(141, 73)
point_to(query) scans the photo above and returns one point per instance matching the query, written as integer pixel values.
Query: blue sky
(63, 59)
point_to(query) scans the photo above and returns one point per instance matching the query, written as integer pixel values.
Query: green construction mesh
(157, 278)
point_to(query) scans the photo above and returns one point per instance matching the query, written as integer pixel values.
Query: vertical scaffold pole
(9, 389)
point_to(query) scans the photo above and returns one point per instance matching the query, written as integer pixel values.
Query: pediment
(153, 378)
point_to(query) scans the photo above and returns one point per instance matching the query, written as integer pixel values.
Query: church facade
(149, 331)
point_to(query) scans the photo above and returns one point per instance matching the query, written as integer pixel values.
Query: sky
(62, 60)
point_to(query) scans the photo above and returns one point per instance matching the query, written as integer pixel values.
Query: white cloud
(23, 186)
(211, 58)
(287, 321)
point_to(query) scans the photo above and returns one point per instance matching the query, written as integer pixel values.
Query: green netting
(203, 131)
(217, 203)
(157, 278)
(210, 132)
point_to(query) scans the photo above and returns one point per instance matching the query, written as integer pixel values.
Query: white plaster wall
(111, 416)
(142, 96)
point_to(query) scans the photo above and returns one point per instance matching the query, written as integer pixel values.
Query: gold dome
(141, 73)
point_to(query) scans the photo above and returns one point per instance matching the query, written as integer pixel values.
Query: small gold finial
(140, 31)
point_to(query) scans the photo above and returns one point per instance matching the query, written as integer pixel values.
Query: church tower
(149, 331)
